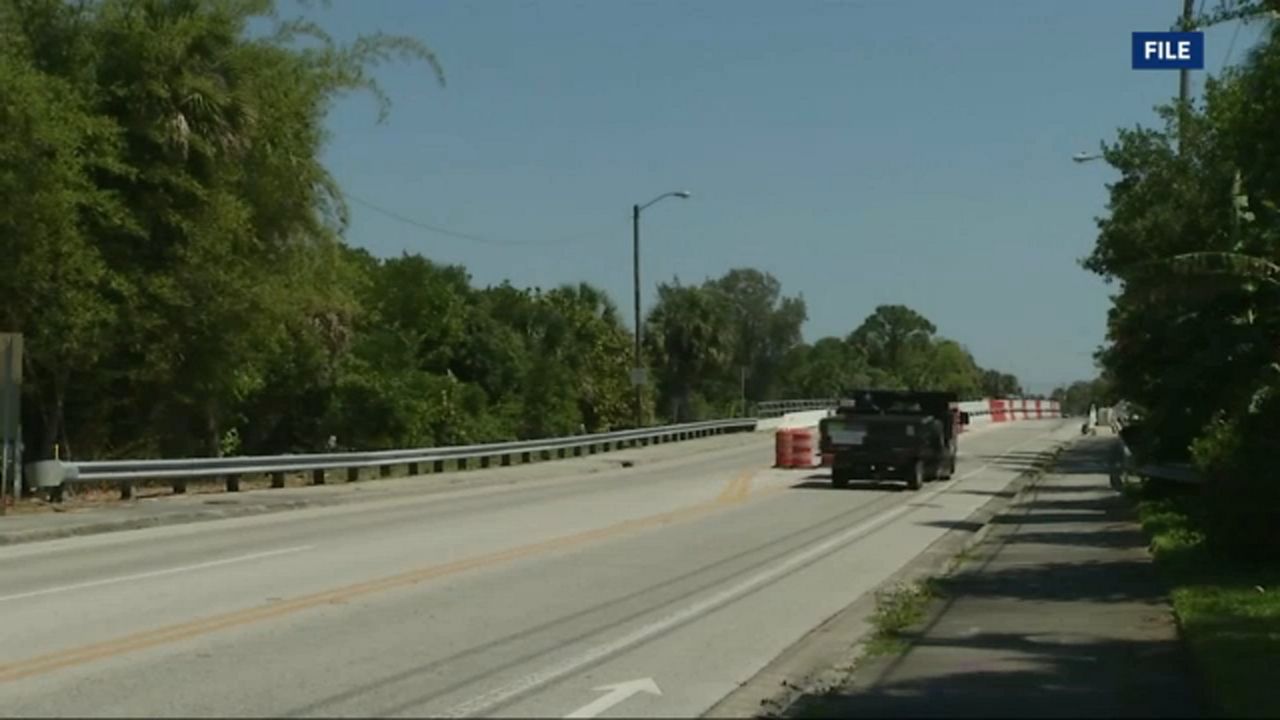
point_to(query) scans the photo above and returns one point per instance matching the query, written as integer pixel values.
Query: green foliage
(1079, 396)
(1193, 236)
(1228, 607)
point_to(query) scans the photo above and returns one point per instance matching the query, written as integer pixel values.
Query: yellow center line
(737, 489)
(736, 492)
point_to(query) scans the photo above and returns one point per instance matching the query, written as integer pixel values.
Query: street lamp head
(682, 194)
(1081, 157)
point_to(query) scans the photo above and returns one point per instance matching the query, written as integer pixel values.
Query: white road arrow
(614, 694)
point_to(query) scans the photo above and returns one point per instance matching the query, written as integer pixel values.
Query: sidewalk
(1060, 614)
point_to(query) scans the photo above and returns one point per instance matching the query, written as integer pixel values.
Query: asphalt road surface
(652, 590)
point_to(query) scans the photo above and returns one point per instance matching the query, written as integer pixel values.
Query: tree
(57, 287)
(893, 336)
(180, 156)
(994, 383)
(1077, 397)
(1193, 237)
(827, 369)
(691, 342)
(947, 366)
(765, 325)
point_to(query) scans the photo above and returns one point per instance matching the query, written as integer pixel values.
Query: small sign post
(10, 416)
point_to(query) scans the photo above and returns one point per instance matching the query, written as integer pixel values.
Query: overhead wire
(471, 237)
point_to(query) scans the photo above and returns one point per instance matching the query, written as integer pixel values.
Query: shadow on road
(1059, 679)
(989, 493)
(966, 525)
(823, 482)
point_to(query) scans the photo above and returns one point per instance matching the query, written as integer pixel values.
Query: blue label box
(1168, 51)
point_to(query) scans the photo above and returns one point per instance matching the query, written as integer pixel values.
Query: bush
(1242, 499)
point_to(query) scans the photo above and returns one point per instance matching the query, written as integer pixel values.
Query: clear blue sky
(913, 152)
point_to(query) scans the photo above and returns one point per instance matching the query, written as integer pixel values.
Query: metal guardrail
(775, 408)
(55, 475)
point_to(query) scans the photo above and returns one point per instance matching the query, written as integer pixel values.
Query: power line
(1232, 46)
(567, 240)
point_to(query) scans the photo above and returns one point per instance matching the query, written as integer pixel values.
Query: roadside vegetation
(1192, 239)
(174, 255)
(898, 610)
(1228, 609)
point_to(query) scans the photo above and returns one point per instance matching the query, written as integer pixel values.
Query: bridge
(646, 573)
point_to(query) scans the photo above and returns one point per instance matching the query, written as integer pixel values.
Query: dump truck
(892, 434)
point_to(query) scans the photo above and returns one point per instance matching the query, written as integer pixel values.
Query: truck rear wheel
(915, 476)
(947, 467)
(839, 477)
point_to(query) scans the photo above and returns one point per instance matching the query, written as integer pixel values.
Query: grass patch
(897, 610)
(1229, 610)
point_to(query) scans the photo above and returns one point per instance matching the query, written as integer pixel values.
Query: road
(648, 591)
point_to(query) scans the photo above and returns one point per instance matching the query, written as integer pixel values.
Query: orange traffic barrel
(802, 451)
(782, 448)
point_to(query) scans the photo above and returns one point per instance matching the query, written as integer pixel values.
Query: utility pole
(1184, 75)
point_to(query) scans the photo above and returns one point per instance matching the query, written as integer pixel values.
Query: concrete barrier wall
(807, 418)
(981, 412)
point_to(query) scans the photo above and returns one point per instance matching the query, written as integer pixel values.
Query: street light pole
(635, 260)
(638, 371)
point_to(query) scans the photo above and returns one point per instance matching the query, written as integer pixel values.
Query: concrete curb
(19, 537)
(825, 657)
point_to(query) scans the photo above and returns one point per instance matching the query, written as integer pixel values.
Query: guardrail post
(384, 471)
(506, 460)
(462, 463)
(577, 451)
(179, 487)
(353, 474)
(277, 480)
(437, 466)
(317, 476)
(126, 489)
(413, 468)
(233, 483)
(526, 457)
(484, 462)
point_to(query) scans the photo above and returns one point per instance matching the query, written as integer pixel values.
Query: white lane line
(156, 573)
(506, 693)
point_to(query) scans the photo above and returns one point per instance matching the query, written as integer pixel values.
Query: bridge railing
(777, 408)
(56, 475)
